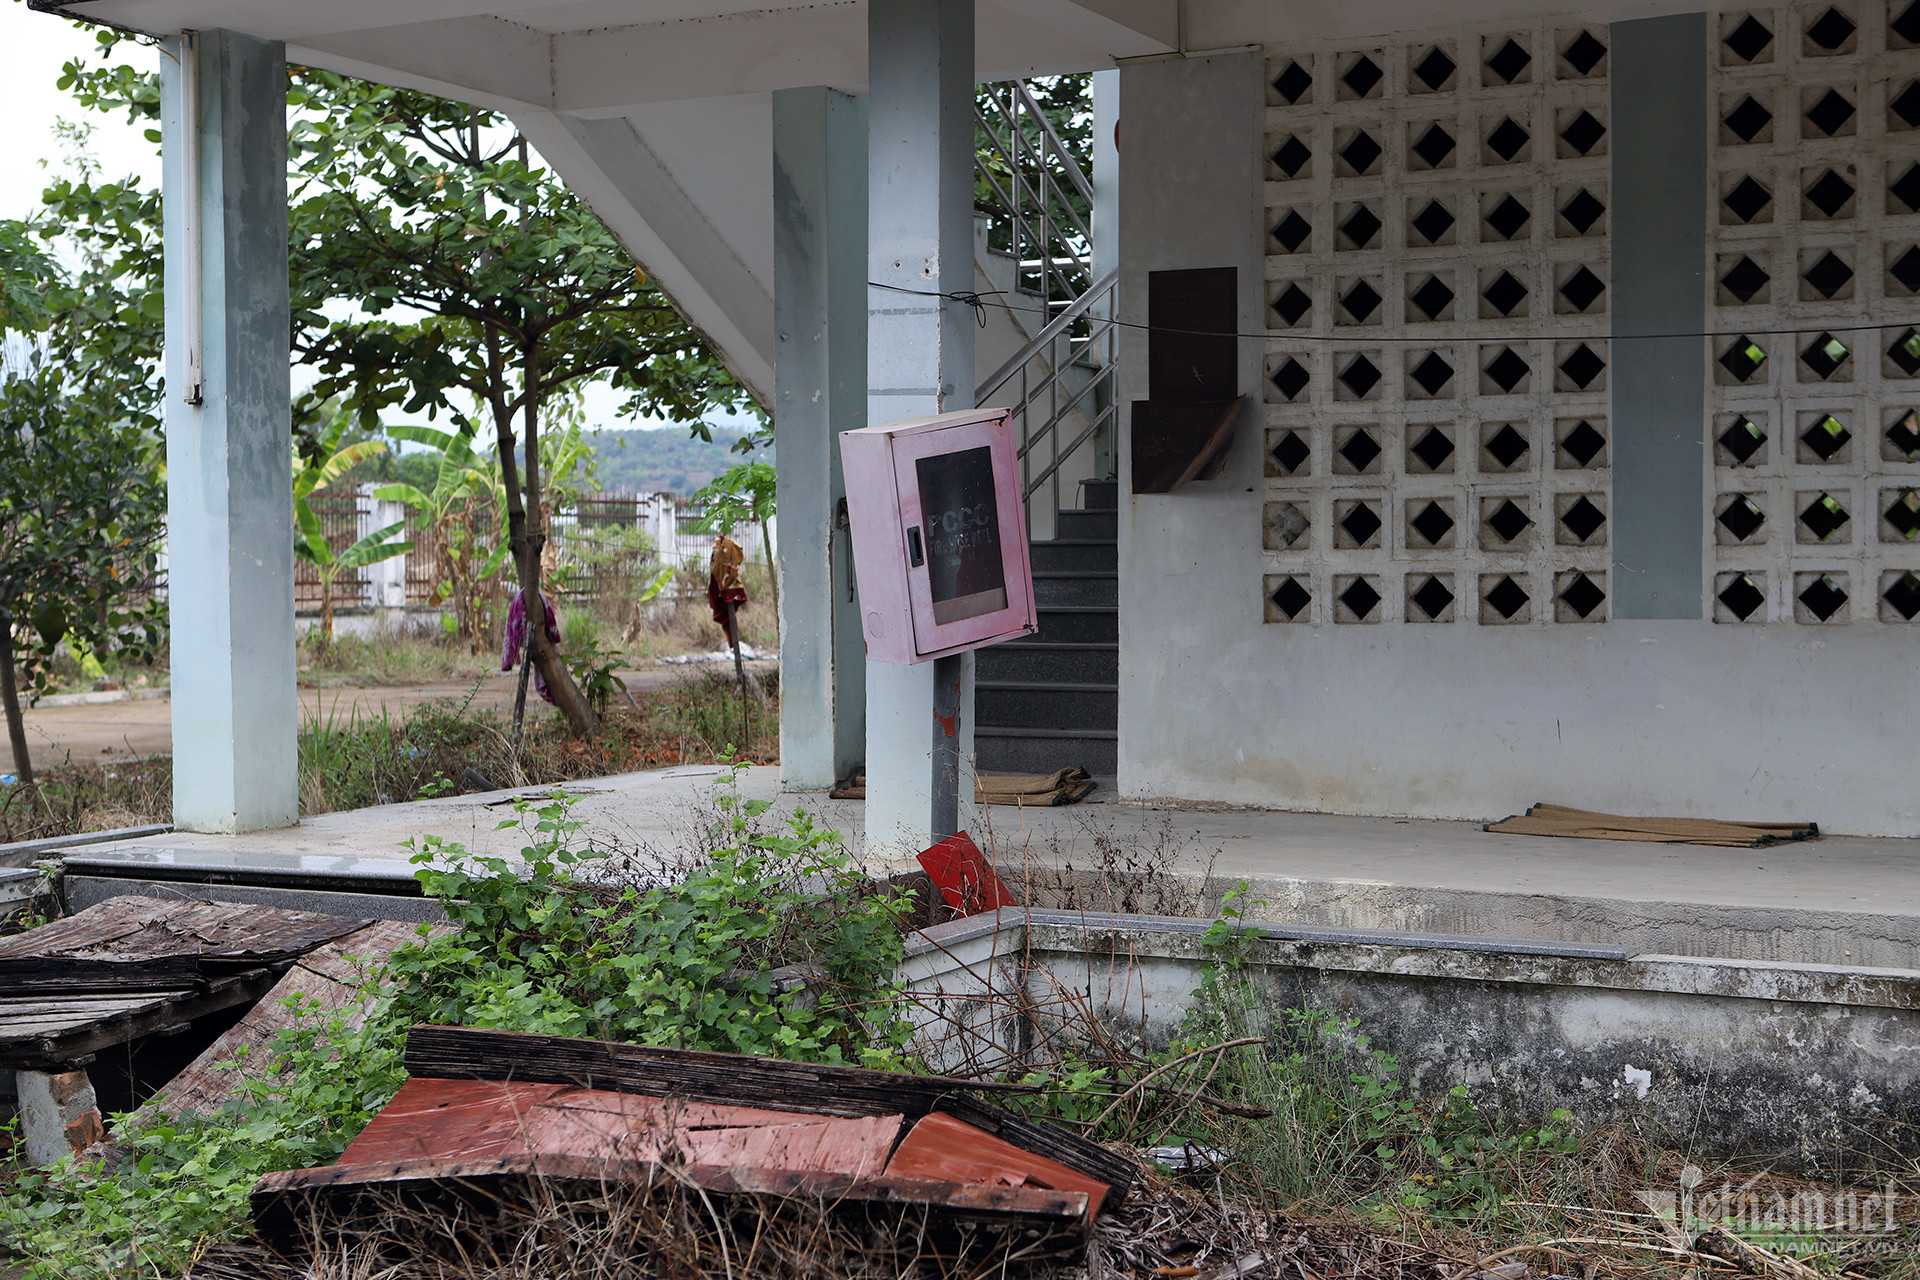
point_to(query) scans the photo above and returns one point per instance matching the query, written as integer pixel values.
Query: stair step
(1045, 705)
(1051, 588)
(1100, 495)
(1091, 525)
(1097, 663)
(1045, 750)
(1075, 624)
(1075, 555)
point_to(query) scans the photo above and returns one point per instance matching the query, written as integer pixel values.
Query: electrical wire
(979, 305)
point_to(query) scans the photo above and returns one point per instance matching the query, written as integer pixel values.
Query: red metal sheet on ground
(940, 1148)
(432, 1119)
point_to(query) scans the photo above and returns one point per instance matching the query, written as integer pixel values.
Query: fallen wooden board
(452, 1120)
(942, 1148)
(287, 1205)
(64, 975)
(221, 933)
(736, 1079)
(54, 1034)
(324, 980)
(1557, 820)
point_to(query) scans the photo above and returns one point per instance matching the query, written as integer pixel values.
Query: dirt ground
(127, 730)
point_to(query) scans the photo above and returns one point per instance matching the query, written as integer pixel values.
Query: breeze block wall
(1579, 473)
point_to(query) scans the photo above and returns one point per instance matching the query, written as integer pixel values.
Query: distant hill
(641, 460)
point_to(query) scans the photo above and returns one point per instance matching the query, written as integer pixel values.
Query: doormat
(1067, 786)
(1557, 820)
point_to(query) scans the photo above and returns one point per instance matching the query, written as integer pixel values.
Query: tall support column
(820, 390)
(919, 362)
(229, 481)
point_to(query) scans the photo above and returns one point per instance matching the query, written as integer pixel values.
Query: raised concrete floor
(1852, 902)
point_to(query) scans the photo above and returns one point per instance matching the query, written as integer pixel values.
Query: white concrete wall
(1457, 721)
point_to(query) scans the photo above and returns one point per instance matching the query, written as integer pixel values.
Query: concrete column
(1105, 227)
(820, 390)
(919, 362)
(229, 478)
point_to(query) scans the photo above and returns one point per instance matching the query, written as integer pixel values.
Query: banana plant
(326, 464)
(462, 508)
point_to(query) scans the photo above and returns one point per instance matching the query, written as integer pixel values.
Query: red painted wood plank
(943, 1149)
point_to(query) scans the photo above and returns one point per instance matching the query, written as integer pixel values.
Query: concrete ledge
(22, 852)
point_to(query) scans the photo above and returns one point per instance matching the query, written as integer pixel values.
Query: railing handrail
(1041, 340)
(1054, 144)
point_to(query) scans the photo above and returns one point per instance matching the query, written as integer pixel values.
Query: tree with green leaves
(474, 282)
(743, 494)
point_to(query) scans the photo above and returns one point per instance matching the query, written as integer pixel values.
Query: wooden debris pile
(494, 1118)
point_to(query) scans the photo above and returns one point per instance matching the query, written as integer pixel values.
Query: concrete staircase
(1053, 699)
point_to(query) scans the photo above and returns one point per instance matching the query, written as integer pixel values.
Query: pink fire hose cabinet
(939, 527)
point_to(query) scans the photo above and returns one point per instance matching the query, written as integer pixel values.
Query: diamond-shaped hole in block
(1824, 597)
(1744, 279)
(1825, 355)
(1741, 517)
(1904, 434)
(1433, 221)
(1906, 103)
(1292, 231)
(1360, 523)
(1432, 523)
(1743, 358)
(1435, 69)
(1507, 369)
(1432, 373)
(1824, 517)
(1906, 24)
(1829, 193)
(1505, 293)
(1906, 268)
(1434, 146)
(1905, 352)
(1361, 152)
(1906, 189)
(1506, 446)
(1290, 597)
(1584, 54)
(1583, 133)
(1291, 156)
(1583, 595)
(1829, 275)
(1360, 598)
(1509, 521)
(1362, 75)
(1432, 597)
(1904, 595)
(1290, 451)
(1743, 438)
(1742, 596)
(1360, 376)
(1903, 514)
(1433, 448)
(1830, 113)
(1583, 444)
(1360, 449)
(1749, 39)
(1432, 298)
(1291, 378)
(1292, 83)
(1360, 227)
(1508, 61)
(1583, 519)
(1508, 217)
(1582, 365)
(1748, 118)
(1747, 199)
(1507, 138)
(1361, 301)
(1292, 304)
(1826, 437)
(1582, 288)
(1582, 211)
(1507, 597)
(1831, 29)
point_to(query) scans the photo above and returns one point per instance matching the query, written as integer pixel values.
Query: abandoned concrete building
(1442, 407)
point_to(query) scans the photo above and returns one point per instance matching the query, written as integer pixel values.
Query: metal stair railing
(1037, 200)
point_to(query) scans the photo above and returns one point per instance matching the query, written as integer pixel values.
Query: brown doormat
(1068, 786)
(1557, 820)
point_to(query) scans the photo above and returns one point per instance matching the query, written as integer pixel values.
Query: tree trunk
(773, 580)
(10, 694)
(525, 547)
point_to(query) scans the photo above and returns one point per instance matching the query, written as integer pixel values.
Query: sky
(33, 48)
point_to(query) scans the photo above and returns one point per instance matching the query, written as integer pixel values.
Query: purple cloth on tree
(516, 638)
